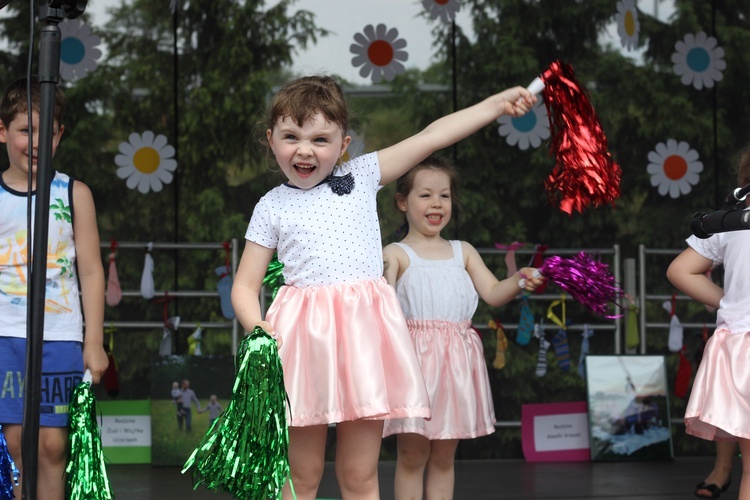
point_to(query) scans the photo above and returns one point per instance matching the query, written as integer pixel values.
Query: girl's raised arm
(446, 131)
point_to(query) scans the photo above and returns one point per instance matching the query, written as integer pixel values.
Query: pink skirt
(347, 354)
(719, 404)
(452, 359)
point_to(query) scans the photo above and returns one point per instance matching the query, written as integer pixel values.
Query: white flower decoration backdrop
(78, 49)
(146, 162)
(527, 130)
(698, 60)
(446, 10)
(674, 168)
(628, 26)
(380, 52)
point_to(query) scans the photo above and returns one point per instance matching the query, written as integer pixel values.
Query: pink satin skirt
(347, 354)
(452, 359)
(719, 404)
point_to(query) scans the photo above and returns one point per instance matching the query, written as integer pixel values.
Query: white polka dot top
(320, 237)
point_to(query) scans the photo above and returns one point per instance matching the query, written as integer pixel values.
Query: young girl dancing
(436, 282)
(342, 337)
(718, 406)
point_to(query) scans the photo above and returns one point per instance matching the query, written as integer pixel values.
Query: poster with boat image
(628, 406)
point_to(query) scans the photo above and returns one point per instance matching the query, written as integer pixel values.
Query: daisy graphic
(674, 167)
(378, 51)
(78, 50)
(356, 146)
(628, 26)
(445, 9)
(525, 130)
(146, 162)
(698, 60)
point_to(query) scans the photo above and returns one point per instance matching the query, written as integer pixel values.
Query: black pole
(49, 72)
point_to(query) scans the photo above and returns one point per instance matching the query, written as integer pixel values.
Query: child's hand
(531, 278)
(266, 326)
(516, 101)
(95, 360)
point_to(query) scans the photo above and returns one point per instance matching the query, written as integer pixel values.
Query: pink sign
(555, 432)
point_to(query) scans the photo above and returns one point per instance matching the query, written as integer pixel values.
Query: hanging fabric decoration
(147, 278)
(111, 377)
(676, 340)
(632, 338)
(86, 471)
(560, 339)
(584, 171)
(380, 52)
(8, 470)
(113, 294)
(78, 50)
(224, 285)
(588, 281)
(684, 372)
(510, 256)
(587, 333)
(541, 364)
(245, 452)
(171, 325)
(501, 345)
(194, 341)
(525, 321)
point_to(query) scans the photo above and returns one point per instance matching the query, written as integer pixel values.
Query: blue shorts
(62, 370)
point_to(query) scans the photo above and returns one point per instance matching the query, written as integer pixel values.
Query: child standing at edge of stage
(436, 282)
(75, 257)
(342, 337)
(717, 408)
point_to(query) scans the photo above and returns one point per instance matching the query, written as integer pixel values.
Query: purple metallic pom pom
(588, 281)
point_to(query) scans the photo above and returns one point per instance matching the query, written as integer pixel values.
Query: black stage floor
(478, 480)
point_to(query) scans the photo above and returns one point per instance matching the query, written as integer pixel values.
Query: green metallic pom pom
(245, 452)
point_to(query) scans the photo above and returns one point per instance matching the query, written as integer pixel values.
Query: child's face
(307, 153)
(428, 206)
(16, 137)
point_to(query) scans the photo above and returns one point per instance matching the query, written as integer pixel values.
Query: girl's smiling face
(428, 206)
(307, 153)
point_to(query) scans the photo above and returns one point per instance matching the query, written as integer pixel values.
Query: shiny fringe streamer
(588, 281)
(8, 470)
(584, 172)
(274, 278)
(245, 452)
(86, 472)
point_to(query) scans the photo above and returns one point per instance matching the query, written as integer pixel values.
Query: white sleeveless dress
(438, 299)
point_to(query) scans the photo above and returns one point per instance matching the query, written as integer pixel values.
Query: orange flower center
(675, 167)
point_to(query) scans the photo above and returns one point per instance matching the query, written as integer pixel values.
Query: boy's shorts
(62, 370)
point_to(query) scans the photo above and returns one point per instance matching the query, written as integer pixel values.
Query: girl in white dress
(342, 337)
(436, 283)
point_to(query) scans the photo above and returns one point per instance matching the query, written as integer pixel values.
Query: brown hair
(14, 101)
(302, 98)
(743, 167)
(405, 184)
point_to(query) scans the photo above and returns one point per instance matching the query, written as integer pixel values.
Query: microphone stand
(49, 71)
(733, 202)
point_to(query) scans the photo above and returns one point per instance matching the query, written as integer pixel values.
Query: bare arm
(687, 273)
(391, 264)
(396, 160)
(493, 291)
(91, 277)
(247, 285)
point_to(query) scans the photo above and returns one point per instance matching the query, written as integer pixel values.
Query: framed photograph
(628, 408)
